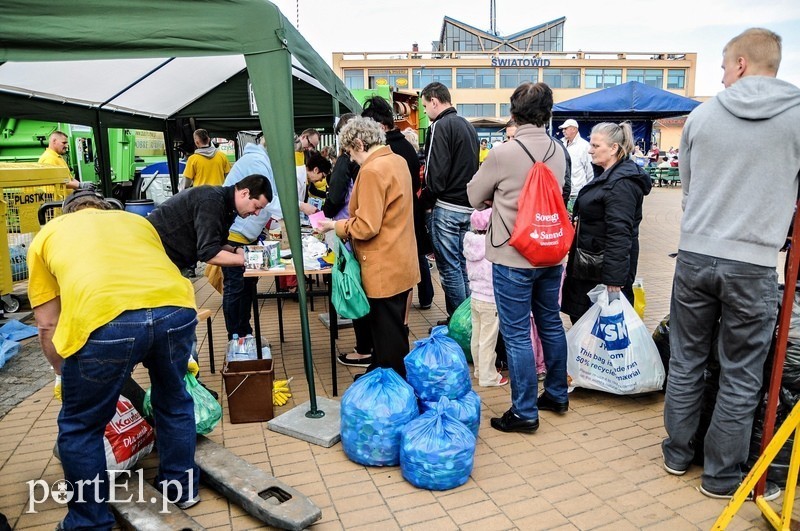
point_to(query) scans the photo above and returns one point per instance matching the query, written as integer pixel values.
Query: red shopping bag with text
(543, 232)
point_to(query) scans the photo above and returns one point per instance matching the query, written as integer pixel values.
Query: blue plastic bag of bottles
(374, 411)
(467, 409)
(437, 451)
(436, 367)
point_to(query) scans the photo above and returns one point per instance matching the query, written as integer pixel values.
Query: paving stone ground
(598, 467)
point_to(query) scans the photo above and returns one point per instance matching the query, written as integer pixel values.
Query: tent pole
(172, 159)
(271, 76)
(103, 154)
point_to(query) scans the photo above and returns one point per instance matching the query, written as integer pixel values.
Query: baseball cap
(568, 123)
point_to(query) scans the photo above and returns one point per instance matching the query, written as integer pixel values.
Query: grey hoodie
(208, 151)
(739, 168)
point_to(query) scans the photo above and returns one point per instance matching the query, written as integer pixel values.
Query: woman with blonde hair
(381, 231)
(608, 211)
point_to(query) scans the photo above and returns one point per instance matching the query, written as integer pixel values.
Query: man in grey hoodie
(207, 165)
(740, 158)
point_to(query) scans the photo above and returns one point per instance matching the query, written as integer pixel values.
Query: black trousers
(386, 320)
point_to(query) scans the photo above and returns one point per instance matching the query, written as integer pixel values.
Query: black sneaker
(771, 492)
(354, 362)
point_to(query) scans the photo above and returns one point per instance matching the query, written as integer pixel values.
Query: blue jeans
(237, 301)
(447, 229)
(162, 339)
(743, 298)
(517, 292)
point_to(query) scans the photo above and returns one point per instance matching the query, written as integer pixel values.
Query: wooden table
(290, 271)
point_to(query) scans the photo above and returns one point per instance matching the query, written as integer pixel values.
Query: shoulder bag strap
(491, 241)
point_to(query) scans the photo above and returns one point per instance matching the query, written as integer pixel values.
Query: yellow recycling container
(25, 187)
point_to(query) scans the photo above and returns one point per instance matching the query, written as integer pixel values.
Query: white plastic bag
(610, 349)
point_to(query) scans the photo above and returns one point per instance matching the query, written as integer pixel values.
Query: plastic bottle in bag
(437, 451)
(466, 409)
(437, 367)
(374, 411)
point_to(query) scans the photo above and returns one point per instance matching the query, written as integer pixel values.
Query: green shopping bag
(207, 411)
(460, 327)
(347, 294)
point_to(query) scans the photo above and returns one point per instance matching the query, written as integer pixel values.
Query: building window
(476, 110)
(602, 78)
(514, 77)
(562, 77)
(474, 78)
(505, 110)
(391, 77)
(676, 79)
(458, 40)
(424, 76)
(354, 79)
(652, 77)
(550, 40)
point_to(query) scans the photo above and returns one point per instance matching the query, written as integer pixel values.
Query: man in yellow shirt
(207, 165)
(95, 325)
(53, 156)
(484, 151)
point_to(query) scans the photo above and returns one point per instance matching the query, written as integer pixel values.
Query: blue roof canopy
(631, 100)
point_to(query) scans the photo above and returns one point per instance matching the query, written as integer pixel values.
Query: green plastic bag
(460, 327)
(347, 294)
(207, 411)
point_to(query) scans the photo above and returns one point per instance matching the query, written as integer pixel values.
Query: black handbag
(586, 265)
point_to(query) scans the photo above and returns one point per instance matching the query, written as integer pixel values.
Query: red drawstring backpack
(543, 232)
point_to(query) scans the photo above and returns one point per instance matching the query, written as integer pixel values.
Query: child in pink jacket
(485, 323)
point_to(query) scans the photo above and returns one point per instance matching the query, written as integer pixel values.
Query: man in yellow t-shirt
(106, 297)
(207, 165)
(53, 156)
(484, 151)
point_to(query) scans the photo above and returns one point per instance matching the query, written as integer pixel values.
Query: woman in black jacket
(608, 211)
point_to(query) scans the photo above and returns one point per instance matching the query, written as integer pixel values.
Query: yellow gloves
(57, 388)
(193, 367)
(280, 392)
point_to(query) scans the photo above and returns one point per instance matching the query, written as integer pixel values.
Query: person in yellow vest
(54, 156)
(95, 325)
(207, 165)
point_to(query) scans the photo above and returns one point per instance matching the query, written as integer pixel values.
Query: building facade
(482, 69)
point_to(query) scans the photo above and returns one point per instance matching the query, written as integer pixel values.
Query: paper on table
(317, 218)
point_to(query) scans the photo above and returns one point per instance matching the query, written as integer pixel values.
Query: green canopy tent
(104, 30)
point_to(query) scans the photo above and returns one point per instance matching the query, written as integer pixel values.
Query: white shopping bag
(610, 349)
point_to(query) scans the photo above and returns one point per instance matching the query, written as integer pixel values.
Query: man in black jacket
(194, 224)
(451, 149)
(379, 110)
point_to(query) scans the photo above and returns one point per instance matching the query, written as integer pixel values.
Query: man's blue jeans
(743, 298)
(517, 293)
(160, 338)
(237, 301)
(447, 229)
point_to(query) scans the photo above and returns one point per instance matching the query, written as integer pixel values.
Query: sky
(680, 26)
